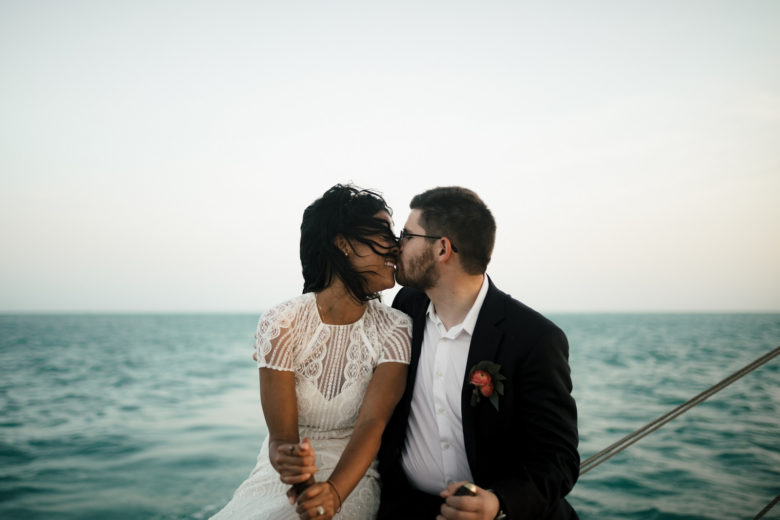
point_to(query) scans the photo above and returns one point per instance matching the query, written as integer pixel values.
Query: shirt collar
(470, 321)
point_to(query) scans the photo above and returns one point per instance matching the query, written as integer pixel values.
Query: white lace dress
(333, 365)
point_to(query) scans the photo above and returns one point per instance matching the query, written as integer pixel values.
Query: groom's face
(416, 263)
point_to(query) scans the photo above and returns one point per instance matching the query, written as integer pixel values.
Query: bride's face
(378, 270)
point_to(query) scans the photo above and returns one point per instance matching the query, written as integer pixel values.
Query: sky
(157, 156)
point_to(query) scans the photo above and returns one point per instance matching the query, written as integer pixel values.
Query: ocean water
(158, 416)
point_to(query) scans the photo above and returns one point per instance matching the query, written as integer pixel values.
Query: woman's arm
(293, 460)
(383, 393)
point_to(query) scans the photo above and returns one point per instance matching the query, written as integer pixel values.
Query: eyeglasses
(406, 234)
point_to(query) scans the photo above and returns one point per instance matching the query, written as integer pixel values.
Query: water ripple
(158, 416)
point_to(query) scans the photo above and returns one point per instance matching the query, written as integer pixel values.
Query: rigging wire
(631, 438)
(615, 448)
(769, 506)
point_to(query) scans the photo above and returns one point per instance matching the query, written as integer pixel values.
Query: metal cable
(631, 438)
(769, 506)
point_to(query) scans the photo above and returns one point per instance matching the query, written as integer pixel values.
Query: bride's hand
(318, 502)
(295, 462)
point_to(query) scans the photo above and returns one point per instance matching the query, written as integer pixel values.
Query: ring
(320, 510)
(292, 448)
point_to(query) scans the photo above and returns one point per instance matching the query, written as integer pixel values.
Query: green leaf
(487, 366)
(494, 400)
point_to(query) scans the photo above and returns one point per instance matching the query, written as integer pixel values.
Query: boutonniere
(488, 382)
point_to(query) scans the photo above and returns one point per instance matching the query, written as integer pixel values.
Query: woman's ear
(342, 243)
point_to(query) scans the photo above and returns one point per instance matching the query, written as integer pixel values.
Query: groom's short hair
(460, 215)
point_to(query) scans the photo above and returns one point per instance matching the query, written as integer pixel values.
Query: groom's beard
(419, 272)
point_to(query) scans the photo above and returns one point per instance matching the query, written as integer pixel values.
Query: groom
(488, 396)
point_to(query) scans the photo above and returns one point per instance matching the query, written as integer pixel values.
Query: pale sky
(158, 156)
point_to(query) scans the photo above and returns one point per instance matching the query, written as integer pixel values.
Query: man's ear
(445, 249)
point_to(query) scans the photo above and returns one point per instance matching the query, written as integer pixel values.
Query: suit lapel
(484, 347)
(418, 329)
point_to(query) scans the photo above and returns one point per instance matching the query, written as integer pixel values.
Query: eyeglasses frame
(404, 233)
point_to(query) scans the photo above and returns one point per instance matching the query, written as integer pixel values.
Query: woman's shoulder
(393, 333)
(390, 315)
(288, 309)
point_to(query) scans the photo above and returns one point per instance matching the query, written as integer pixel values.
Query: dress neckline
(319, 317)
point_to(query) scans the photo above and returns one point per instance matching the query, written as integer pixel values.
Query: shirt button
(445, 446)
(441, 410)
(439, 373)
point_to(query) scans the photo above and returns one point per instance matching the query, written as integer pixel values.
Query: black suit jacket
(527, 451)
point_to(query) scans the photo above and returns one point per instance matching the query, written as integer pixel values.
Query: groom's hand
(482, 506)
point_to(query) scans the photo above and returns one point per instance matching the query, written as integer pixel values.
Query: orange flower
(481, 378)
(488, 382)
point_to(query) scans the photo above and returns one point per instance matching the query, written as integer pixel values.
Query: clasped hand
(295, 464)
(316, 500)
(482, 506)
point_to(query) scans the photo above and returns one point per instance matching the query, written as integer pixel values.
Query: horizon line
(11, 312)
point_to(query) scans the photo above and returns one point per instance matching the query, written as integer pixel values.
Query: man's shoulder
(518, 314)
(410, 299)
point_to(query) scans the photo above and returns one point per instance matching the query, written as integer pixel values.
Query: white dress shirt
(434, 451)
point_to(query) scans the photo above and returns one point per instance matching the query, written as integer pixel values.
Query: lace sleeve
(397, 339)
(272, 344)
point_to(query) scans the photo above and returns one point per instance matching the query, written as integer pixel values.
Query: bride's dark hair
(347, 211)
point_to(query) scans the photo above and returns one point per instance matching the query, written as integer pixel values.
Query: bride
(332, 366)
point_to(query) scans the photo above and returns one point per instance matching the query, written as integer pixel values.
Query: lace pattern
(333, 365)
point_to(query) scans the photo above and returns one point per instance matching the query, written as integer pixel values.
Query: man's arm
(530, 463)
(546, 463)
